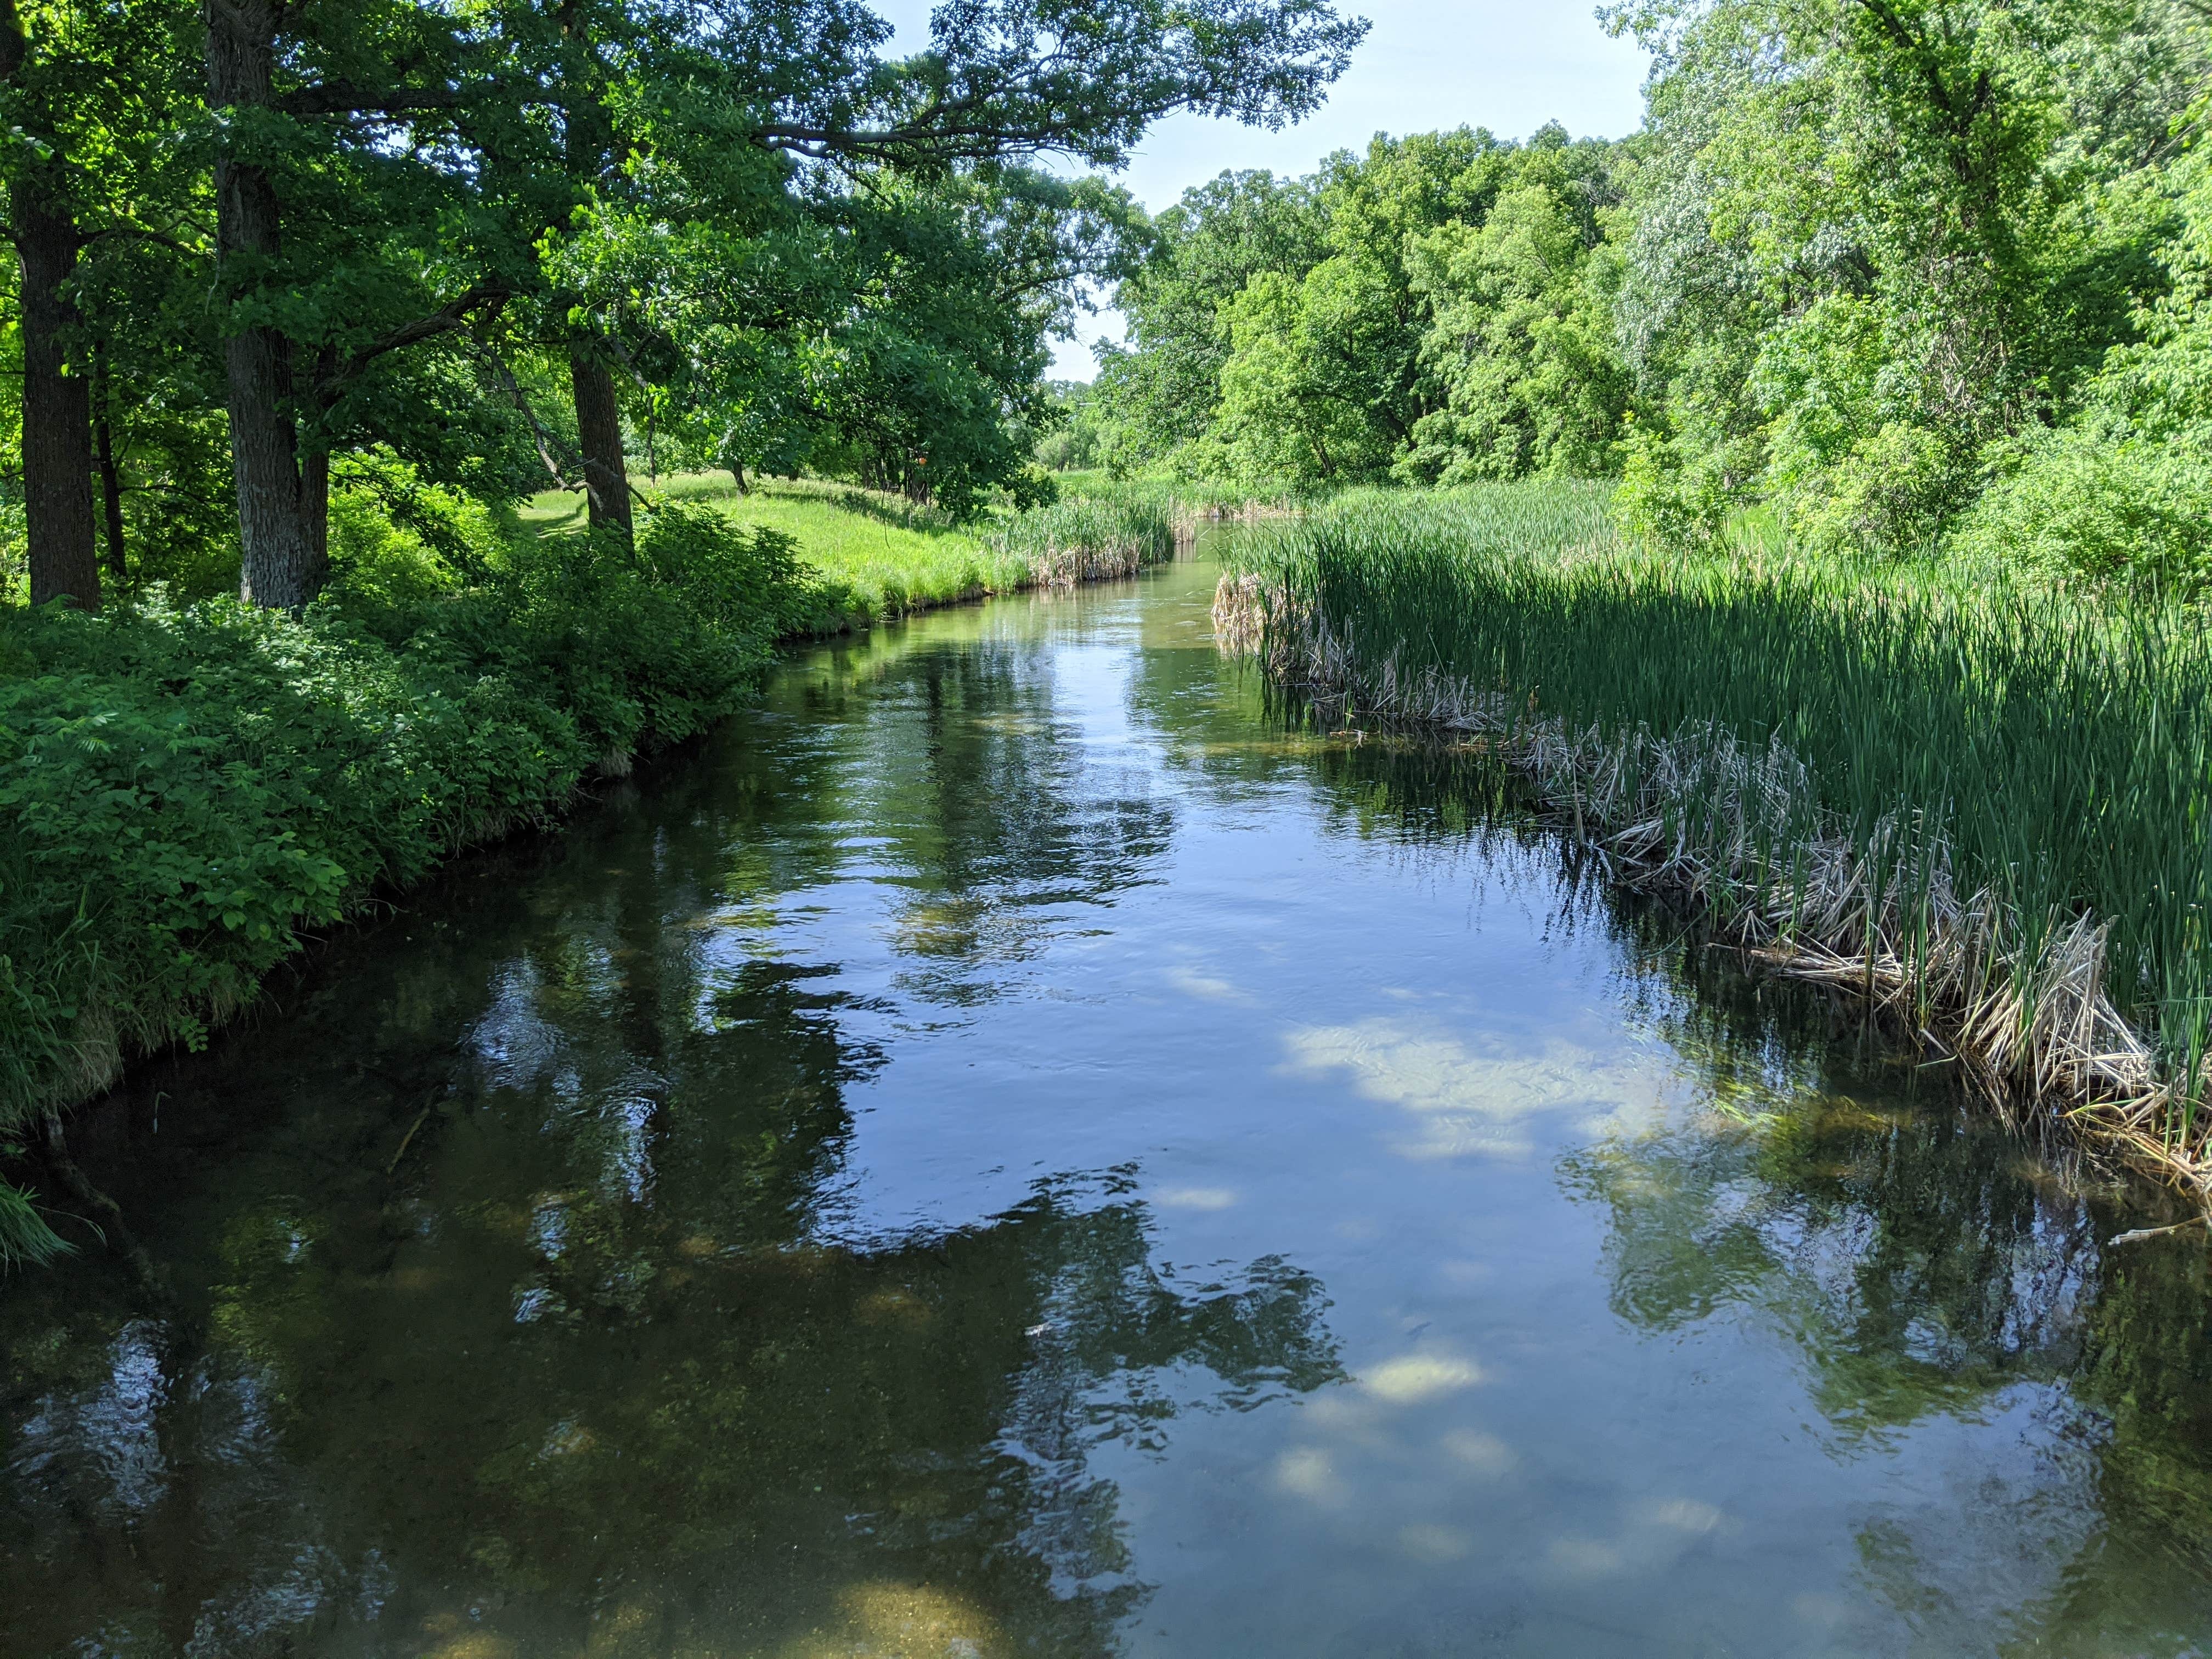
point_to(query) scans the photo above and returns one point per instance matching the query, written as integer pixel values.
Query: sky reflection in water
(1014, 1151)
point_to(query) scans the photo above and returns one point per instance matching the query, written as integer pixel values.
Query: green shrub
(185, 789)
(1661, 498)
(2101, 507)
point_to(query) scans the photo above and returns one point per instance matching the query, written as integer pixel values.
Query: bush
(1661, 499)
(2099, 506)
(186, 789)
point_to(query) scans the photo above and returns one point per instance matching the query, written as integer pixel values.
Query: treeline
(275, 251)
(1904, 274)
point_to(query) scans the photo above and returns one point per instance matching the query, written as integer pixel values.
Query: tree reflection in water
(1929, 1267)
(601, 1364)
(598, 1369)
(551, 1281)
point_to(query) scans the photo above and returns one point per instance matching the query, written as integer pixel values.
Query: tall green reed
(2047, 748)
(1083, 538)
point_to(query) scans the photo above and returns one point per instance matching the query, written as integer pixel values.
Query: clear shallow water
(1012, 1152)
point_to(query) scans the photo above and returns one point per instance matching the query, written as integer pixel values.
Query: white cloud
(1414, 1377)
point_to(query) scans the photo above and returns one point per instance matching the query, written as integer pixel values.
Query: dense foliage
(311, 295)
(188, 789)
(1894, 272)
(511, 242)
(1425, 312)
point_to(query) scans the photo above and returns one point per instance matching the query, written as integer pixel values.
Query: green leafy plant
(189, 789)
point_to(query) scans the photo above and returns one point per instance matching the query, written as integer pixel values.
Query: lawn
(892, 556)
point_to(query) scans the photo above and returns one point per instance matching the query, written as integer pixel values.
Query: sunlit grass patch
(890, 556)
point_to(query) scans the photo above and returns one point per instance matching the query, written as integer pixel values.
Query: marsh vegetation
(1974, 796)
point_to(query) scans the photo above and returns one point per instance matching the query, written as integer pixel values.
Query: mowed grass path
(889, 554)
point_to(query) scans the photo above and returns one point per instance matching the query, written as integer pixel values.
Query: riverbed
(1022, 1146)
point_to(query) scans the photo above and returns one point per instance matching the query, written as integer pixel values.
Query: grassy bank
(186, 789)
(1979, 802)
(883, 556)
(879, 556)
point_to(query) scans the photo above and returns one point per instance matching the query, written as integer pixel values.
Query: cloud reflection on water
(1474, 1095)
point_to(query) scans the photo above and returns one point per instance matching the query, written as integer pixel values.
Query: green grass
(881, 555)
(1971, 732)
(888, 555)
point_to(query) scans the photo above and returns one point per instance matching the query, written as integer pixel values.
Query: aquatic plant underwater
(1979, 802)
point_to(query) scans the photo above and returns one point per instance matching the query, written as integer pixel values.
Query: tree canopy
(1900, 271)
(492, 245)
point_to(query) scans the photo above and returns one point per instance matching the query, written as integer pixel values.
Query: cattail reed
(1977, 801)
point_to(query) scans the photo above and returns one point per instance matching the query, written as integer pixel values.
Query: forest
(1902, 278)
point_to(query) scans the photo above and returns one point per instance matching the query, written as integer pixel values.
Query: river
(1016, 1149)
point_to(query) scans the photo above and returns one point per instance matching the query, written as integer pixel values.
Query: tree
(1164, 386)
(1875, 236)
(414, 203)
(959, 260)
(81, 85)
(1373, 321)
(334, 192)
(1521, 338)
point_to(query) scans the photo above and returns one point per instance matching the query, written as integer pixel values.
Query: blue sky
(1427, 63)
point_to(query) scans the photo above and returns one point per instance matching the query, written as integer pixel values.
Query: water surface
(1012, 1149)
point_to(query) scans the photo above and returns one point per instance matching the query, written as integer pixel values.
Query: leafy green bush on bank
(192, 786)
(189, 788)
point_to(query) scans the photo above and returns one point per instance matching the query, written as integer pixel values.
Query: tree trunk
(110, 479)
(587, 143)
(315, 479)
(315, 516)
(737, 471)
(599, 432)
(57, 410)
(277, 567)
(57, 404)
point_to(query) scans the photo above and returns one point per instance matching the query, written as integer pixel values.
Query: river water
(1014, 1149)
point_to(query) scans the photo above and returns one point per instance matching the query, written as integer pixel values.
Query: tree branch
(449, 318)
(342, 97)
(546, 441)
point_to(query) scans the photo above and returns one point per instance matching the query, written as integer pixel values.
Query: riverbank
(1018, 1071)
(190, 790)
(884, 557)
(1975, 803)
(877, 555)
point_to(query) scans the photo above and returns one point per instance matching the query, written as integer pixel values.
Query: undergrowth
(188, 789)
(191, 787)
